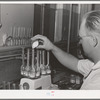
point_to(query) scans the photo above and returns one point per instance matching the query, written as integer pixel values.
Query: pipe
(0, 17)
(7, 59)
(69, 28)
(42, 19)
(38, 64)
(48, 57)
(9, 56)
(79, 12)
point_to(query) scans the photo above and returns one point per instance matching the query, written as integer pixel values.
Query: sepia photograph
(49, 46)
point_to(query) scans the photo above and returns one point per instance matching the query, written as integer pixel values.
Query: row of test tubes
(19, 36)
(10, 85)
(39, 63)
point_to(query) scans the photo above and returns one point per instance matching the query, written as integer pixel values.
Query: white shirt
(91, 74)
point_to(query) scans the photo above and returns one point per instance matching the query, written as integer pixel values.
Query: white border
(47, 94)
(50, 2)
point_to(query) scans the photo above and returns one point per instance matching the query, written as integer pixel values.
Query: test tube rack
(19, 36)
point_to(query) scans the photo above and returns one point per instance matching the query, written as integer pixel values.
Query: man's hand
(45, 42)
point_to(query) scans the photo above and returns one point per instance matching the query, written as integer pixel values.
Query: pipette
(27, 68)
(48, 66)
(37, 67)
(23, 63)
(42, 66)
(32, 70)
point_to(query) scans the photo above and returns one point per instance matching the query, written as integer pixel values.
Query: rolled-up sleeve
(84, 67)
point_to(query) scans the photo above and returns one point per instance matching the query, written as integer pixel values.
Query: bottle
(78, 80)
(72, 79)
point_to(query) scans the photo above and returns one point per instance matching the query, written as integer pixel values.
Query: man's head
(90, 34)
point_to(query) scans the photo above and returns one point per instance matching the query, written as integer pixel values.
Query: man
(90, 41)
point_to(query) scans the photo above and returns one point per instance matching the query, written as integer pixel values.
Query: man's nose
(79, 44)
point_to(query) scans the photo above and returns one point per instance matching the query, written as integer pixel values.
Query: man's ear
(93, 41)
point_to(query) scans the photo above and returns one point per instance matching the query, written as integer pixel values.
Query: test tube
(14, 33)
(16, 36)
(38, 68)
(48, 65)
(25, 36)
(27, 68)
(23, 63)
(72, 79)
(4, 84)
(30, 32)
(19, 38)
(12, 40)
(21, 35)
(28, 35)
(38, 58)
(43, 54)
(78, 80)
(32, 71)
(14, 86)
(20, 86)
(43, 72)
(8, 85)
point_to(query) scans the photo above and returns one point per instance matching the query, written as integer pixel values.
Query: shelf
(5, 48)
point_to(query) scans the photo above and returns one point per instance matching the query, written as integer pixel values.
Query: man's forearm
(65, 58)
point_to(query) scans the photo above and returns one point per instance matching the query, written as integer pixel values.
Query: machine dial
(26, 86)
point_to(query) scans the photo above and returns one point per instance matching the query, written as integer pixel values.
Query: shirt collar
(97, 65)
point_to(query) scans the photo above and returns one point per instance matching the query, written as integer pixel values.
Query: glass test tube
(30, 32)
(11, 41)
(23, 63)
(14, 86)
(14, 31)
(8, 85)
(33, 56)
(32, 71)
(37, 65)
(27, 68)
(42, 66)
(19, 38)
(4, 84)
(48, 65)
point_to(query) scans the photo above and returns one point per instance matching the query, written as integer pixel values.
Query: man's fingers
(40, 47)
(38, 37)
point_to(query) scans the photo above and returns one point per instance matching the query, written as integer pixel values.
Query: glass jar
(72, 79)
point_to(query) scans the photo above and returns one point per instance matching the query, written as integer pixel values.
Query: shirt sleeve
(84, 67)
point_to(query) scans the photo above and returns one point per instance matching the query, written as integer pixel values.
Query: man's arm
(64, 58)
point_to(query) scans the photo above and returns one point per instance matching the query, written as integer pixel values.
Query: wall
(15, 15)
(96, 6)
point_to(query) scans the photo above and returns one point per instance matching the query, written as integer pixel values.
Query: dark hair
(93, 21)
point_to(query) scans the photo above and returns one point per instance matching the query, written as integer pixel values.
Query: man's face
(84, 39)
